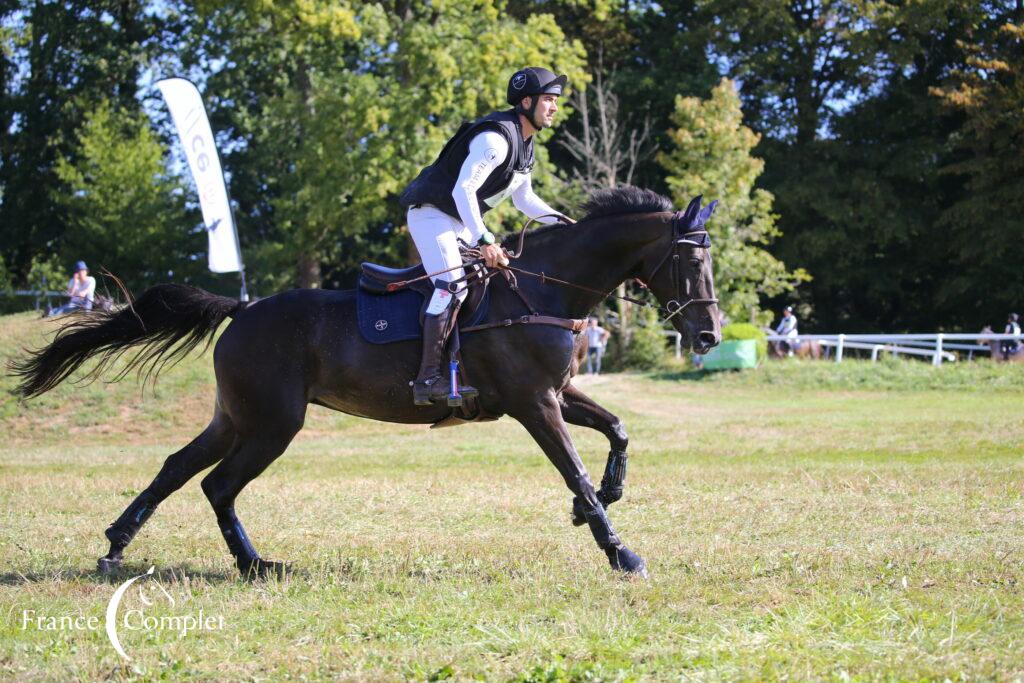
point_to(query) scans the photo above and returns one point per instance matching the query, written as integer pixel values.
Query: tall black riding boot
(433, 383)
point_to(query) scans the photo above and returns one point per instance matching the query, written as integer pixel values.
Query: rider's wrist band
(486, 238)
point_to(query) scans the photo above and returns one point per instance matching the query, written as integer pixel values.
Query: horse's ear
(692, 209)
(706, 213)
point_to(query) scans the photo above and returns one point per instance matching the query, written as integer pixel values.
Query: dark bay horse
(282, 353)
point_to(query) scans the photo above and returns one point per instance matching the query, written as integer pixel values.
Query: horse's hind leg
(206, 449)
(255, 453)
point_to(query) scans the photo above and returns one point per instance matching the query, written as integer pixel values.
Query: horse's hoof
(578, 518)
(626, 561)
(108, 565)
(263, 569)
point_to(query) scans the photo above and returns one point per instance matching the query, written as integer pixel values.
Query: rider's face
(547, 107)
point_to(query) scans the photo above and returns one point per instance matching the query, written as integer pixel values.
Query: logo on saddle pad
(380, 325)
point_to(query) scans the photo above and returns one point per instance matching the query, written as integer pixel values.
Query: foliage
(340, 123)
(985, 221)
(123, 211)
(711, 156)
(646, 347)
(799, 60)
(890, 131)
(59, 62)
(736, 331)
(854, 145)
(49, 272)
(6, 281)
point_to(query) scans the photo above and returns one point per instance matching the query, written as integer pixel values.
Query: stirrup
(436, 389)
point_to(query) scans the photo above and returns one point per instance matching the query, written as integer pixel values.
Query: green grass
(807, 521)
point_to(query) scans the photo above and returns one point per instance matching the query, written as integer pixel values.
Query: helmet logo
(519, 81)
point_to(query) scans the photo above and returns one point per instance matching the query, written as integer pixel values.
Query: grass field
(801, 521)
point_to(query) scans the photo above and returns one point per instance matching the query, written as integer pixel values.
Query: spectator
(597, 338)
(1008, 347)
(787, 328)
(81, 289)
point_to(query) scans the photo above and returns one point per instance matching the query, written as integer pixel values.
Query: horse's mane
(624, 199)
(613, 202)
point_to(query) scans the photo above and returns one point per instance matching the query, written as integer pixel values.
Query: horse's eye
(695, 263)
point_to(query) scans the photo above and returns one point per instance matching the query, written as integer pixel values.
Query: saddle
(390, 315)
(387, 316)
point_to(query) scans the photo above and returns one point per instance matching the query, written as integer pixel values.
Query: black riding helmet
(530, 82)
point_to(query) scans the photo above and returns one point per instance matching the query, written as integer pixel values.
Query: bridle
(699, 239)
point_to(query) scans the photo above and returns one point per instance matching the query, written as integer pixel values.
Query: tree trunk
(309, 271)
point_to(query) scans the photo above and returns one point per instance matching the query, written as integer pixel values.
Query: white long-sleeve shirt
(487, 152)
(787, 328)
(82, 292)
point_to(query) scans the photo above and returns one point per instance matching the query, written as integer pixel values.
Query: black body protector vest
(435, 183)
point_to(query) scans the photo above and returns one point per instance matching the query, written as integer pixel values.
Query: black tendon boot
(432, 384)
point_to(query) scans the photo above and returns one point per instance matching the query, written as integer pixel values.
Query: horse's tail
(168, 321)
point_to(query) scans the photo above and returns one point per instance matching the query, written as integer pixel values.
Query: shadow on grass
(172, 574)
(688, 375)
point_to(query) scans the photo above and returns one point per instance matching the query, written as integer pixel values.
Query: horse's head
(680, 276)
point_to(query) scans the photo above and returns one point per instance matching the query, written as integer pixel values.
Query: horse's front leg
(579, 409)
(543, 419)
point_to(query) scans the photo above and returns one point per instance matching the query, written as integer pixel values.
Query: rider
(486, 161)
(1008, 347)
(787, 328)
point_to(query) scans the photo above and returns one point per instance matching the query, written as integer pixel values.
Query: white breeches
(436, 235)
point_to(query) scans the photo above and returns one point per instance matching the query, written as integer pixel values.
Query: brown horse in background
(808, 348)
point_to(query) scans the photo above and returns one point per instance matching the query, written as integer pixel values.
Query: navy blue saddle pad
(387, 318)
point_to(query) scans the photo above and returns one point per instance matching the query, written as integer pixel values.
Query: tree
(337, 108)
(984, 225)
(711, 156)
(860, 205)
(60, 60)
(604, 151)
(123, 211)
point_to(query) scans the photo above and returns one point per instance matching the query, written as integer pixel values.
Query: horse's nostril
(709, 338)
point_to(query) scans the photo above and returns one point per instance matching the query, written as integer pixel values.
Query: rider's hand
(493, 255)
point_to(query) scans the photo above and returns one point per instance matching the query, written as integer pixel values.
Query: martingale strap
(573, 324)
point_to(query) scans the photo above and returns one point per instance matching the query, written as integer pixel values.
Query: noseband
(696, 238)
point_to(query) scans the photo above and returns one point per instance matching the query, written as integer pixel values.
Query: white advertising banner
(189, 115)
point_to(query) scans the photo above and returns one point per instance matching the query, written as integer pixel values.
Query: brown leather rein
(671, 308)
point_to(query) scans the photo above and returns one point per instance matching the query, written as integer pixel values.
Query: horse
(996, 353)
(808, 348)
(282, 353)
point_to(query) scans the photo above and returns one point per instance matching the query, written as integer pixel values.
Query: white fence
(939, 346)
(38, 294)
